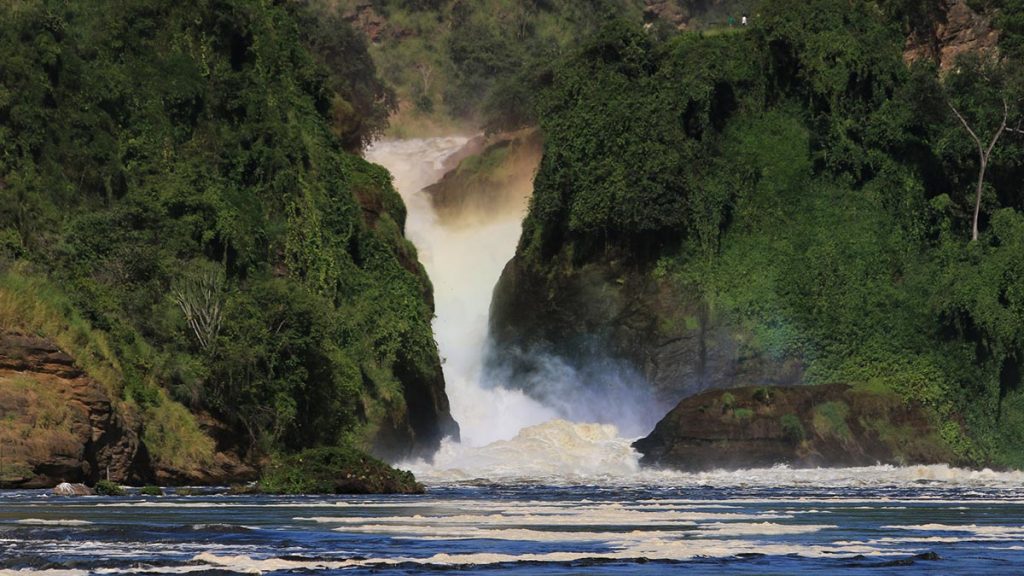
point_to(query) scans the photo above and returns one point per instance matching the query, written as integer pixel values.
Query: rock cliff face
(611, 308)
(61, 425)
(833, 425)
(953, 29)
(491, 174)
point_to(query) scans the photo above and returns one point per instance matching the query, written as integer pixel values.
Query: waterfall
(464, 263)
(505, 433)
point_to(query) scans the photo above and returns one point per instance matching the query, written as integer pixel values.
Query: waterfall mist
(463, 263)
(571, 425)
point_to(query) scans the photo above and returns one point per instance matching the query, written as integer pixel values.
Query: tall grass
(34, 305)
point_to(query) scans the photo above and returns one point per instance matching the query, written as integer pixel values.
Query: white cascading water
(508, 436)
(505, 433)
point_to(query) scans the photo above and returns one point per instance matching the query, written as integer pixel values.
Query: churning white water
(464, 263)
(505, 433)
(508, 436)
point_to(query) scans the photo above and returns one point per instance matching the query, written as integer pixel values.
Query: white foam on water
(47, 572)
(59, 522)
(508, 436)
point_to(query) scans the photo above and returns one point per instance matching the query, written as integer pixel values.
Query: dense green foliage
(335, 470)
(816, 191)
(179, 171)
(151, 490)
(481, 62)
(477, 61)
(108, 488)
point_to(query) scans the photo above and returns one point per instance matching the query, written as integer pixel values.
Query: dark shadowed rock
(826, 425)
(612, 308)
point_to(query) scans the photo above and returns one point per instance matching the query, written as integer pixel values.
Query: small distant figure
(732, 21)
(743, 20)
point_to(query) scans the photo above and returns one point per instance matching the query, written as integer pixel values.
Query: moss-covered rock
(493, 174)
(335, 470)
(827, 425)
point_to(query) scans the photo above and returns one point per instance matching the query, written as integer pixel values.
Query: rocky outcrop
(826, 425)
(613, 308)
(61, 424)
(425, 419)
(951, 28)
(68, 489)
(228, 466)
(364, 18)
(667, 10)
(335, 470)
(488, 175)
(417, 431)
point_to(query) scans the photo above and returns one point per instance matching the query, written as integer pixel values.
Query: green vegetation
(816, 192)
(463, 63)
(743, 414)
(727, 400)
(179, 211)
(792, 428)
(335, 470)
(151, 491)
(34, 421)
(456, 63)
(108, 488)
(829, 421)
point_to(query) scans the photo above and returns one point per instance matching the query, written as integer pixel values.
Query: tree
(983, 155)
(979, 97)
(200, 295)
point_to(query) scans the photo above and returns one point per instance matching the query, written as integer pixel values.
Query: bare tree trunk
(983, 155)
(977, 198)
(425, 71)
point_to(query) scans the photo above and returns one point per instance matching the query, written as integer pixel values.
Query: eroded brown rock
(60, 424)
(803, 426)
(953, 30)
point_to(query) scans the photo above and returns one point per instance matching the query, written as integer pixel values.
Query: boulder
(68, 489)
(801, 426)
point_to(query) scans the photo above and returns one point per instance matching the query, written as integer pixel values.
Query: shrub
(743, 414)
(792, 429)
(335, 470)
(728, 401)
(764, 395)
(829, 421)
(151, 491)
(108, 488)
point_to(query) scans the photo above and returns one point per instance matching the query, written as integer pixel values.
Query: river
(528, 490)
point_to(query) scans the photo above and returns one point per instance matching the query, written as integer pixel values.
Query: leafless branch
(200, 297)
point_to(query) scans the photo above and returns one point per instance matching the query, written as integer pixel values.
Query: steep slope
(782, 205)
(176, 185)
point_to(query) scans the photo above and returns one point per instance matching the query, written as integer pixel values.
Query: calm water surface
(853, 524)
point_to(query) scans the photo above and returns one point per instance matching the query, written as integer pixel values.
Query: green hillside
(178, 195)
